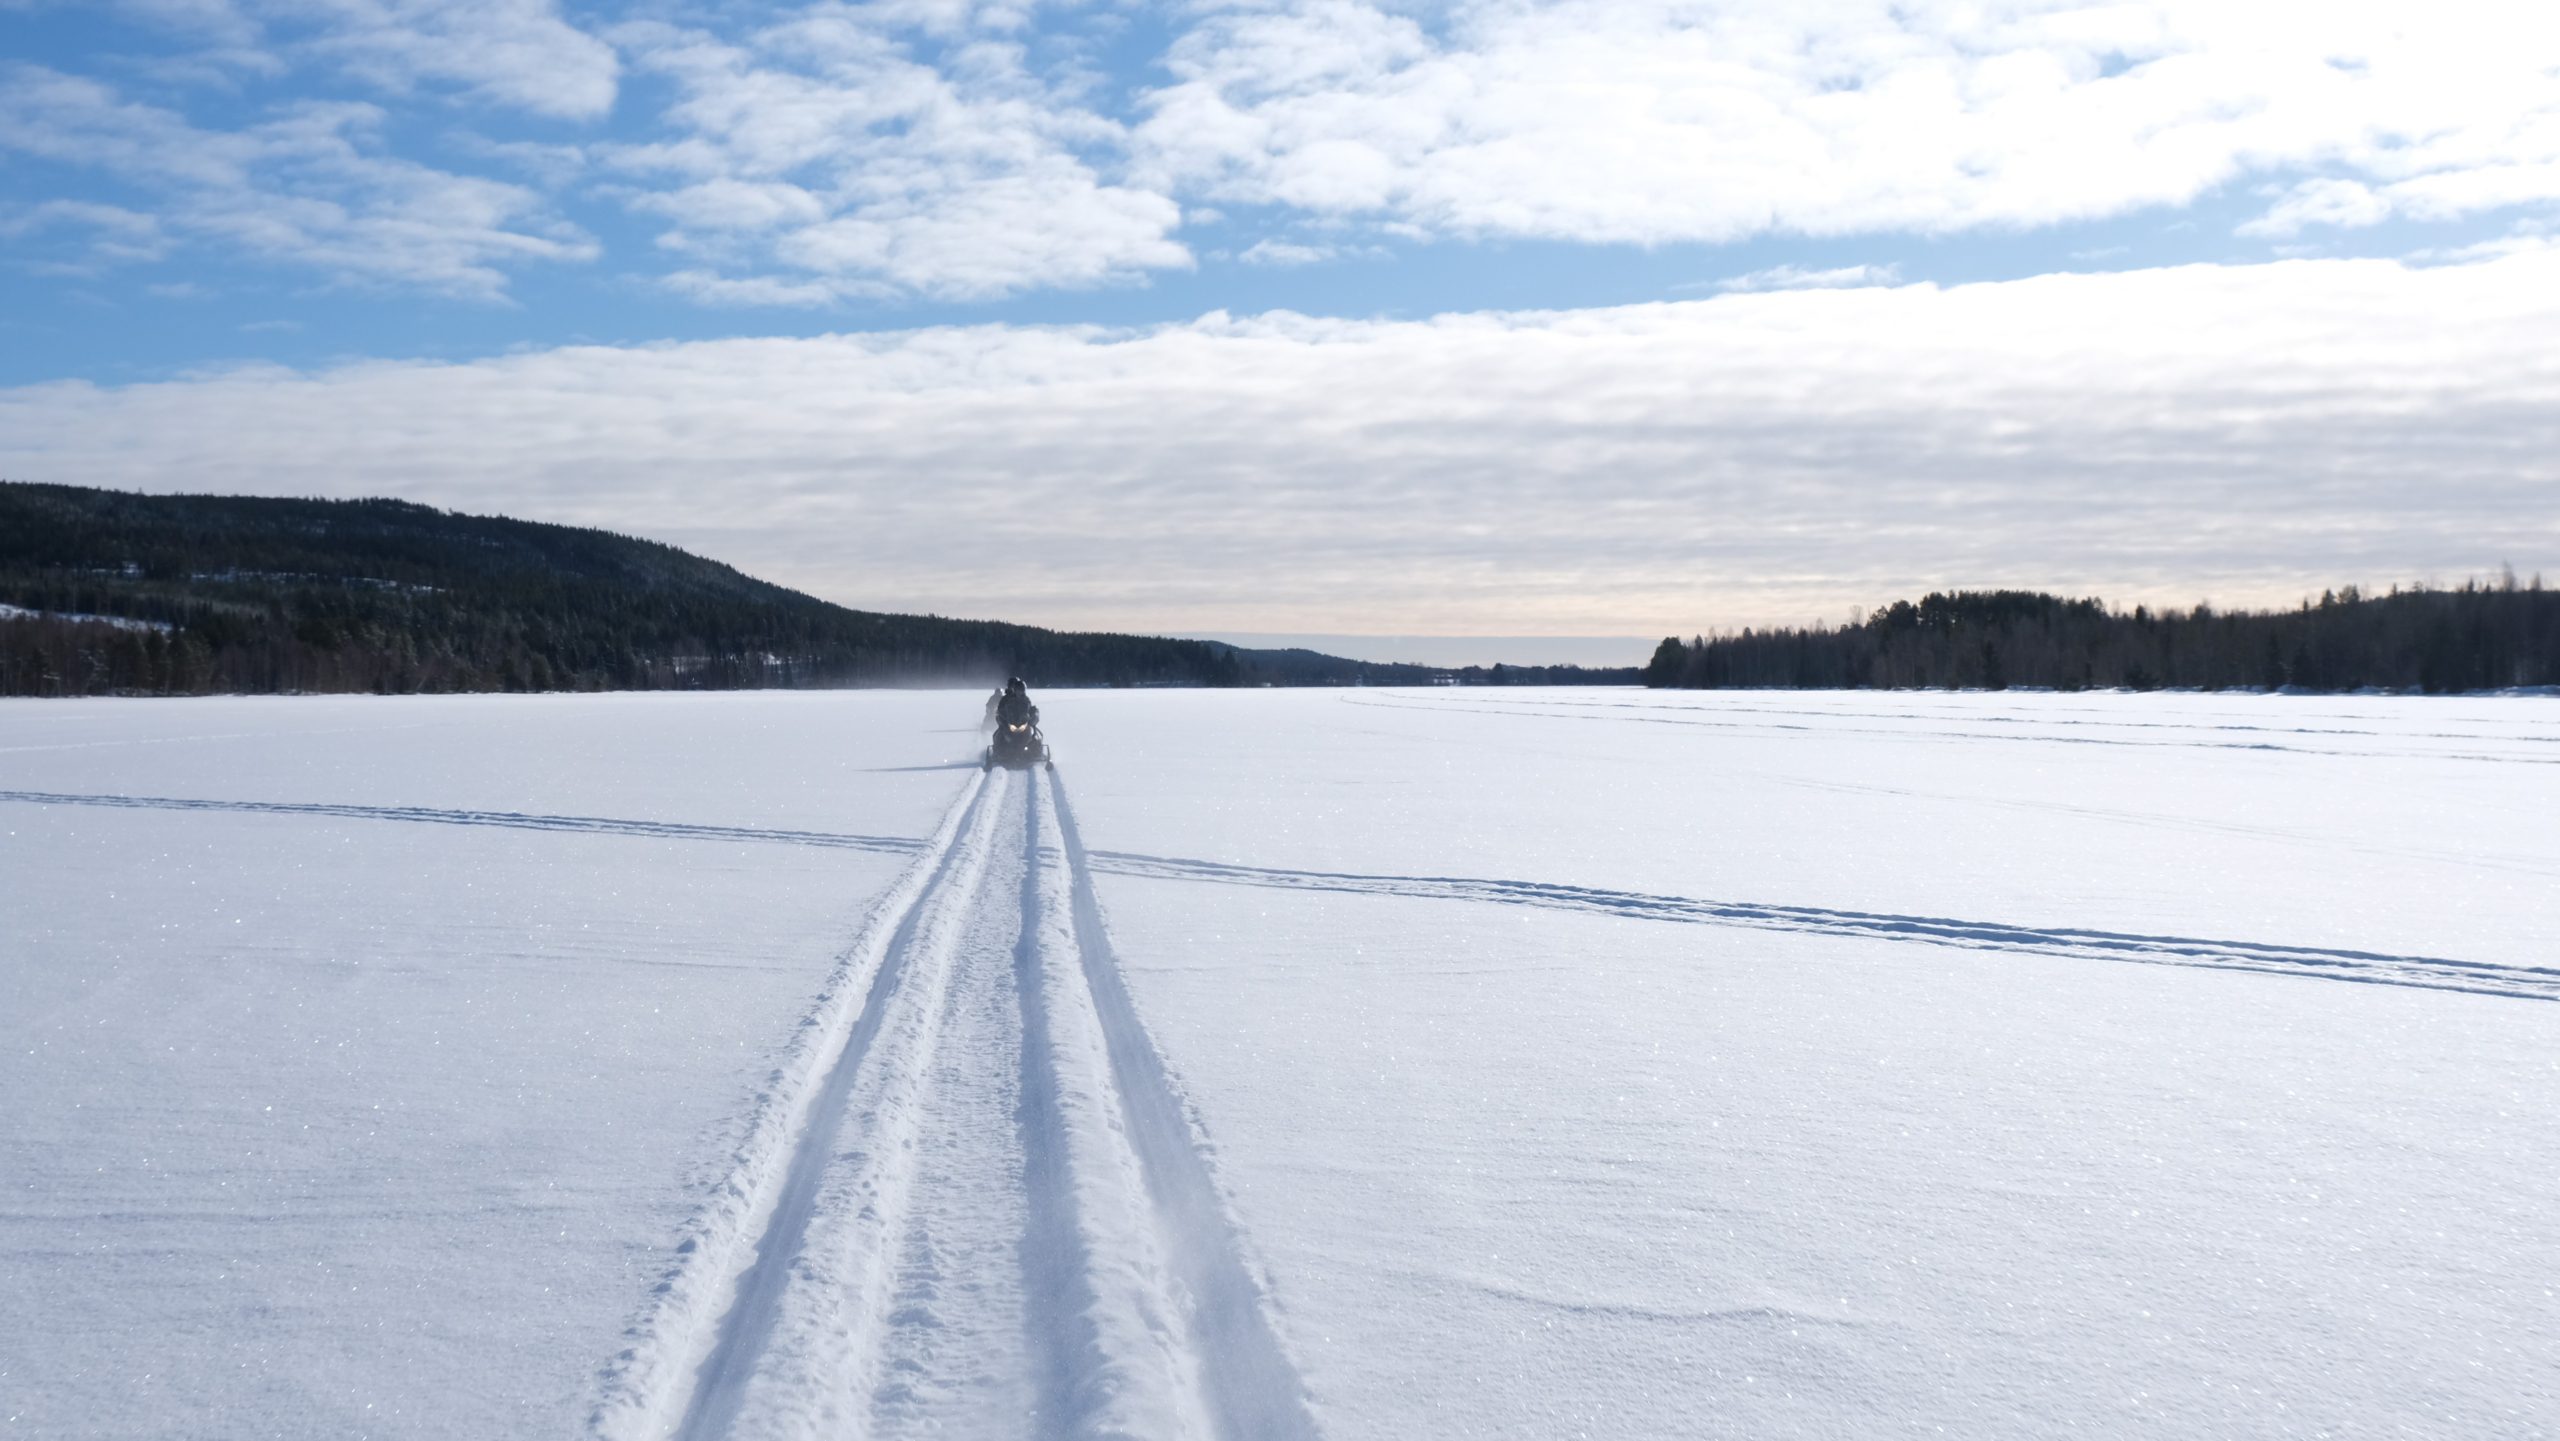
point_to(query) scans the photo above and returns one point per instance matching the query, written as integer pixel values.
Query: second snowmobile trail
(974, 1206)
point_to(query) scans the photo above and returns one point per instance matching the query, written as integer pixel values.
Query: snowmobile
(1018, 747)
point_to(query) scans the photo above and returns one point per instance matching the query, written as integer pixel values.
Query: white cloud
(552, 165)
(808, 150)
(1047, 224)
(724, 204)
(227, 46)
(1797, 277)
(108, 235)
(822, 157)
(1287, 254)
(1654, 121)
(712, 288)
(519, 53)
(1284, 253)
(2240, 432)
(2527, 238)
(221, 22)
(309, 187)
(2342, 204)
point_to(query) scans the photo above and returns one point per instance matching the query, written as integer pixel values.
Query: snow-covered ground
(1364, 1064)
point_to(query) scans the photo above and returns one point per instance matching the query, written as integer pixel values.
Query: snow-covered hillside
(1357, 1064)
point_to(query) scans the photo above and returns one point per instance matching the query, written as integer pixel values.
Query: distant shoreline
(2478, 638)
(113, 593)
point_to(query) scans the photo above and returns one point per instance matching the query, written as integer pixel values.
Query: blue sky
(264, 199)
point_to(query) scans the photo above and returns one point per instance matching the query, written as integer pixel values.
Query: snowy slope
(1367, 1064)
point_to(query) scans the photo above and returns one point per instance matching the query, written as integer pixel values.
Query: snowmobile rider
(1015, 707)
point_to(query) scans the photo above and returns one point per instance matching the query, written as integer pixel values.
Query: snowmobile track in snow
(970, 1200)
(2441, 973)
(2525, 981)
(505, 820)
(2371, 967)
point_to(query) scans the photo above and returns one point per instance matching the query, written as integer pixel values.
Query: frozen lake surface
(1364, 1064)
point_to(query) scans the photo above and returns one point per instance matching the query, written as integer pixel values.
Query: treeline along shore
(2478, 636)
(111, 593)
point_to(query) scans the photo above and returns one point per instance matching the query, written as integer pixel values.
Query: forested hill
(2477, 637)
(102, 591)
(1299, 666)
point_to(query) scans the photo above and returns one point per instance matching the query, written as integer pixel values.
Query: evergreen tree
(2475, 637)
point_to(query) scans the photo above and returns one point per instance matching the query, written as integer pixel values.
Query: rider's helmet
(1013, 684)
